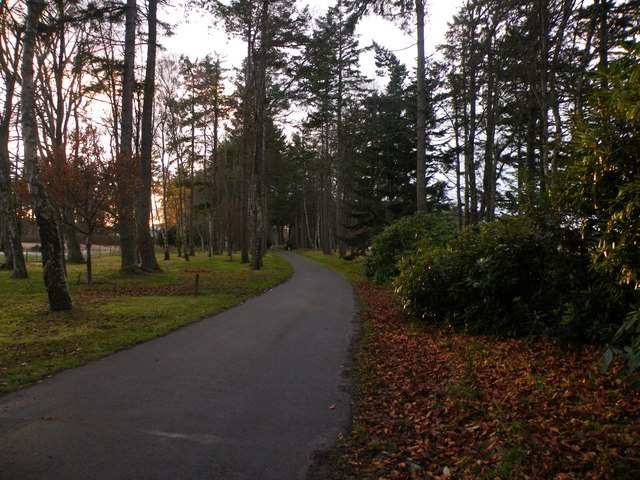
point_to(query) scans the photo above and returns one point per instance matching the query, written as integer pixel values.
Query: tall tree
(239, 18)
(268, 27)
(421, 118)
(60, 91)
(401, 9)
(258, 180)
(384, 152)
(332, 81)
(126, 197)
(148, 261)
(209, 108)
(9, 60)
(52, 252)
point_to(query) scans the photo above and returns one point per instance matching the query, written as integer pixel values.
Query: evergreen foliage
(604, 180)
(604, 177)
(520, 275)
(417, 232)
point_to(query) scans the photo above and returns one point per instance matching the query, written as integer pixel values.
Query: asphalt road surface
(253, 393)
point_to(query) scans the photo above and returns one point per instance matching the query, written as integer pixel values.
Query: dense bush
(604, 182)
(405, 236)
(603, 177)
(516, 276)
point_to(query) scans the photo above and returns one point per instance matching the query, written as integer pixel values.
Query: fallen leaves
(435, 405)
(116, 290)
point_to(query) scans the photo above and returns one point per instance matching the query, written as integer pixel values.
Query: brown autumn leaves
(435, 405)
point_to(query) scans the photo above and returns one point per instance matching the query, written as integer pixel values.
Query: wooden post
(197, 272)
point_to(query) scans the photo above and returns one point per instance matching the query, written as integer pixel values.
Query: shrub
(403, 237)
(516, 276)
(603, 176)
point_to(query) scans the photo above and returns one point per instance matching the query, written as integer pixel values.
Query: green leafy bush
(403, 237)
(628, 336)
(516, 276)
(603, 176)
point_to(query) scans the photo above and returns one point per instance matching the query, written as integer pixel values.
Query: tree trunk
(305, 225)
(212, 237)
(89, 265)
(585, 57)
(528, 173)
(489, 177)
(421, 123)
(165, 194)
(74, 253)
(603, 37)
(258, 171)
(340, 160)
(325, 194)
(11, 229)
(258, 174)
(11, 233)
(183, 248)
(469, 153)
(148, 261)
(246, 153)
(544, 92)
(191, 233)
(10, 225)
(126, 196)
(52, 254)
(456, 133)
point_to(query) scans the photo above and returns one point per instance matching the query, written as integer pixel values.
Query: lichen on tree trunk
(52, 253)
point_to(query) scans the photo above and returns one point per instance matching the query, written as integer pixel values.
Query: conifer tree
(331, 80)
(126, 197)
(148, 261)
(403, 9)
(267, 27)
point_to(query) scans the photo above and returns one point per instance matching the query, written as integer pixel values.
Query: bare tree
(9, 59)
(52, 252)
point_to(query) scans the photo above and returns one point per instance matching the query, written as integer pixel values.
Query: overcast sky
(196, 36)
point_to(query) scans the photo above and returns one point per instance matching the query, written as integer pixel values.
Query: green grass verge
(115, 312)
(350, 269)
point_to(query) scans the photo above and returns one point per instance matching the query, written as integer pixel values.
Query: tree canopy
(526, 118)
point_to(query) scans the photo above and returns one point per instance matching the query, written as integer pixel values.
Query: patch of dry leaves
(114, 290)
(435, 405)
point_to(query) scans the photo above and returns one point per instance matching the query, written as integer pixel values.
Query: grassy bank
(115, 312)
(350, 269)
(430, 404)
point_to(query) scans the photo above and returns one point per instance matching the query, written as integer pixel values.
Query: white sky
(197, 36)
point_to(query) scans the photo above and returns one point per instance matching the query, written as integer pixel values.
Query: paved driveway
(248, 394)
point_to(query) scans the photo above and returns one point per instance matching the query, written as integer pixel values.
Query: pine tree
(126, 197)
(148, 261)
(331, 82)
(402, 9)
(267, 27)
(384, 152)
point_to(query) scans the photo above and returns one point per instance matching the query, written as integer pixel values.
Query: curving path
(248, 394)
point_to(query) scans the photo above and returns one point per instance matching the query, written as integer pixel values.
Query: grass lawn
(115, 312)
(350, 269)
